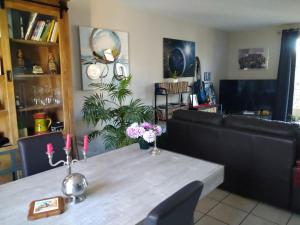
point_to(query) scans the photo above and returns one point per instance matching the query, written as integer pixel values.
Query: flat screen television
(237, 96)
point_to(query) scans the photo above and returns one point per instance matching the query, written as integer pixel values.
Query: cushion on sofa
(253, 124)
(198, 117)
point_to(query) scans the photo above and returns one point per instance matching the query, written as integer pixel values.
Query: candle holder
(155, 150)
(74, 185)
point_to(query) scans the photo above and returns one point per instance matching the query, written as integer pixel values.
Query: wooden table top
(124, 186)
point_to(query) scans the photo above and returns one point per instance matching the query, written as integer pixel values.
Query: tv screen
(237, 96)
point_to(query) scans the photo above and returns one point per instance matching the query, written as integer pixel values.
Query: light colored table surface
(124, 186)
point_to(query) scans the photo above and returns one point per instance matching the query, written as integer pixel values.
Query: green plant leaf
(94, 109)
(94, 134)
(113, 113)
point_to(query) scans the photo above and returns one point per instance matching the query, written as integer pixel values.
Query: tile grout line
(218, 203)
(262, 217)
(289, 219)
(217, 219)
(206, 214)
(249, 213)
(235, 207)
(220, 199)
(199, 217)
(266, 219)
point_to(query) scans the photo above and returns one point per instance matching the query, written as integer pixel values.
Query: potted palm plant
(174, 76)
(114, 109)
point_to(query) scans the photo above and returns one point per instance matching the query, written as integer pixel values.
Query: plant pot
(144, 145)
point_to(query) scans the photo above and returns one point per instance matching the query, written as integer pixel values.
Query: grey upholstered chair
(178, 209)
(33, 152)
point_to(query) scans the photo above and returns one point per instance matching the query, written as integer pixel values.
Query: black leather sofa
(259, 155)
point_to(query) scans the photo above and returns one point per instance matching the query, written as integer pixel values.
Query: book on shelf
(45, 31)
(54, 34)
(31, 23)
(17, 22)
(36, 30)
(50, 30)
(32, 26)
(41, 29)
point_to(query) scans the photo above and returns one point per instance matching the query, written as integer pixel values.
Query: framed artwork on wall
(253, 58)
(103, 53)
(178, 58)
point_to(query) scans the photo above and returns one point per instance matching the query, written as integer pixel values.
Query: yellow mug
(41, 123)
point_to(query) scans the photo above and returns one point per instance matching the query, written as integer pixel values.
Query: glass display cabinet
(35, 76)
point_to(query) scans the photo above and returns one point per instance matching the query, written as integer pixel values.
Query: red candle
(85, 143)
(68, 142)
(49, 148)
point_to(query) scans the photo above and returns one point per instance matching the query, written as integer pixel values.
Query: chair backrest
(178, 209)
(33, 152)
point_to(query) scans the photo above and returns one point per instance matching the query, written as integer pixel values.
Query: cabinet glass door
(36, 72)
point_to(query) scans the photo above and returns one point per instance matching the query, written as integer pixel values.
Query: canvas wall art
(104, 53)
(253, 58)
(178, 58)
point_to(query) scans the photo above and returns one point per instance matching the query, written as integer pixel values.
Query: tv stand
(256, 114)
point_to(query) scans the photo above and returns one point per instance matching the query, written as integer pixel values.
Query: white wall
(266, 37)
(146, 33)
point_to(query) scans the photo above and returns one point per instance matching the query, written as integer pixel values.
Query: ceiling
(225, 14)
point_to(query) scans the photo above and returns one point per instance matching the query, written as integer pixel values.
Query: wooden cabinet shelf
(30, 42)
(32, 76)
(3, 111)
(8, 148)
(35, 108)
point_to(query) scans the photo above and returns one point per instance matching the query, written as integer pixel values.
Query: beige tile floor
(223, 208)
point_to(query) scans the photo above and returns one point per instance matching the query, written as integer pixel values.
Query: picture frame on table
(46, 207)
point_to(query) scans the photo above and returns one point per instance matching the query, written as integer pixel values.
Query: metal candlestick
(74, 185)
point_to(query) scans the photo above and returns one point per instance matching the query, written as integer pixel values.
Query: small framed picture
(207, 76)
(46, 207)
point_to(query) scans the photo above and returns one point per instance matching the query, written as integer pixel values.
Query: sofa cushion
(266, 126)
(198, 117)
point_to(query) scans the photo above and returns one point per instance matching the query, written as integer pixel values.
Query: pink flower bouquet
(144, 132)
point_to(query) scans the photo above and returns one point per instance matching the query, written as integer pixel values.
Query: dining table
(124, 185)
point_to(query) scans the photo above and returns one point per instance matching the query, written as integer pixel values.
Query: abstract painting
(104, 54)
(253, 58)
(179, 58)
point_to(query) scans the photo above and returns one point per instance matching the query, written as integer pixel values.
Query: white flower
(134, 125)
(149, 136)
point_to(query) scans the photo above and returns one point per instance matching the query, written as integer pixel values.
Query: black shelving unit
(164, 92)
